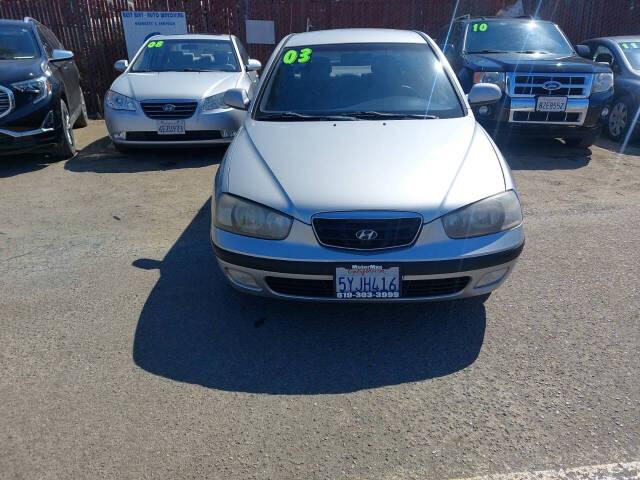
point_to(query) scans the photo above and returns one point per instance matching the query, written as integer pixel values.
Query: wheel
(83, 120)
(66, 147)
(583, 142)
(623, 112)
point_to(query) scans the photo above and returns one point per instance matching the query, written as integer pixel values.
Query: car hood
(12, 71)
(162, 85)
(517, 62)
(302, 168)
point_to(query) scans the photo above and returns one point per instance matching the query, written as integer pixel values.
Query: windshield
(187, 56)
(631, 50)
(17, 43)
(371, 79)
(516, 36)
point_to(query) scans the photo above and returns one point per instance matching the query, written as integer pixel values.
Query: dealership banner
(139, 26)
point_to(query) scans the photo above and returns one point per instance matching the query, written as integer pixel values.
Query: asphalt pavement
(125, 354)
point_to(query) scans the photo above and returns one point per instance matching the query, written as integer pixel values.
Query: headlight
(39, 87)
(491, 215)
(489, 77)
(244, 217)
(602, 82)
(118, 101)
(214, 102)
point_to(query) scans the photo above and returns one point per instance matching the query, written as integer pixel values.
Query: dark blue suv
(40, 95)
(549, 90)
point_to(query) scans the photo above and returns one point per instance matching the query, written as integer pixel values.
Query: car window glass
(17, 43)
(46, 41)
(243, 53)
(631, 50)
(343, 78)
(187, 55)
(516, 36)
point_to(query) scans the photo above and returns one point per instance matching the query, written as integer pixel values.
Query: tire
(83, 120)
(583, 142)
(619, 121)
(66, 147)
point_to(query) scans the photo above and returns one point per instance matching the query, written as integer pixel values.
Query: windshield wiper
(303, 116)
(392, 116)
(542, 52)
(488, 51)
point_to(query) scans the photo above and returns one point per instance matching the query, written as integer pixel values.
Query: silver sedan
(171, 93)
(360, 174)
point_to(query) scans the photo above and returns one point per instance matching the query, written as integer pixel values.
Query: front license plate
(171, 127)
(551, 104)
(367, 281)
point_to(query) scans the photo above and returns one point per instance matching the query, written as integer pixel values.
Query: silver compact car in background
(171, 93)
(360, 173)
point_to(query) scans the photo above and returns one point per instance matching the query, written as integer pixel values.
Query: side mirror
(253, 65)
(484, 94)
(605, 58)
(583, 50)
(236, 98)
(121, 65)
(60, 55)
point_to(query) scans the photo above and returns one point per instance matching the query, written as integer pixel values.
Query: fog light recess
(492, 277)
(243, 279)
(605, 112)
(484, 110)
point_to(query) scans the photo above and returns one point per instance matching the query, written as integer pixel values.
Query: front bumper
(504, 117)
(30, 128)
(434, 268)
(204, 128)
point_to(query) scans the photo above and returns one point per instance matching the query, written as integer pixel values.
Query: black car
(40, 96)
(622, 54)
(549, 90)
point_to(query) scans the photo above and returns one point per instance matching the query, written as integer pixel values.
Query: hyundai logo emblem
(366, 235)
(169, 107)
(551, 85)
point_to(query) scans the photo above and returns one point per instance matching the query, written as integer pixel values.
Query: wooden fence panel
(93, 28)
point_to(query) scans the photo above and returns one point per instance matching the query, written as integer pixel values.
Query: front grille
(180, 110)
(6, 101)
(390, 232)
(434, 287)
(301, 288)
(191, 135)
(326, 289)
(557, 117)
(574, 85)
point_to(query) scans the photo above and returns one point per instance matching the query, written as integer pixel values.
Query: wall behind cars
(93, 28)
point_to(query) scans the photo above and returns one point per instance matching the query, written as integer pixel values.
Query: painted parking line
(611, 471)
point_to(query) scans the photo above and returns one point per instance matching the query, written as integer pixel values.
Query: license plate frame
(379, 289)
(171, 127)
(561, 101)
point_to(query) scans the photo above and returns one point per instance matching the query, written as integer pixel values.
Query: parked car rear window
(187, 56)
(390, 78)
(632, 52)
(17, 43)
(519, 36)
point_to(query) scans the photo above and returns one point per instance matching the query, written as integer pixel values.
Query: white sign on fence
(139, 26)
(260, 31)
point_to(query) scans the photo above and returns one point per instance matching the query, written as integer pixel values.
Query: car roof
(354, 35)
(502, 19)
(193, 36)
(624, 38)
(20, 23)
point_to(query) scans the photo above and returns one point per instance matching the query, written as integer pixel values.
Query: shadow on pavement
(101, 156)
(194, 328)
(542, 154)
(12, 165)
